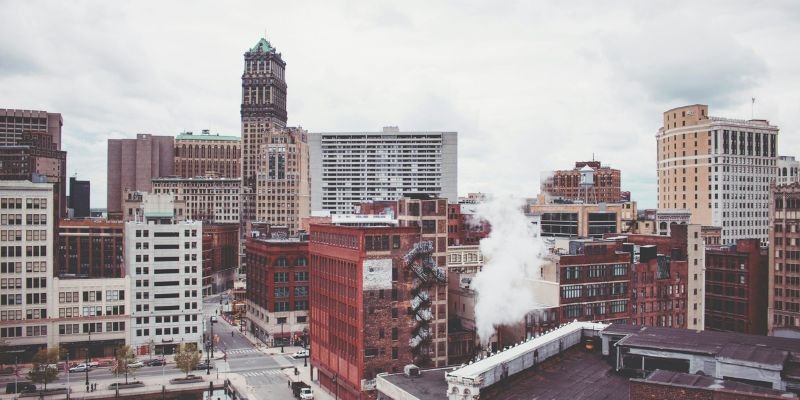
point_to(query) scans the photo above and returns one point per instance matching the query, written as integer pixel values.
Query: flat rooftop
(680, 379)
(574, 374)
(728, 345)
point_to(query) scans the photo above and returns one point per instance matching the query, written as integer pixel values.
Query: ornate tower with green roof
(263, 103)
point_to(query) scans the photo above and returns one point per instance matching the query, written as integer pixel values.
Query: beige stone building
(207, 154)
(580, 220)
(210, 199)
(718, 168)
(282, 195)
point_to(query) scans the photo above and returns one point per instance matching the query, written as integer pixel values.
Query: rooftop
(204, 136)
(681, 379)
(575, 374)
(262, 45)
(727, 345)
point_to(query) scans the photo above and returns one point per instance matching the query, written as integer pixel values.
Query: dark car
(156, 362)
(20, 387)
(203, 365)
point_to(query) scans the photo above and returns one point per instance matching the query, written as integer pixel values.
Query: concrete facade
(133, 163)
(788, 170)
(578, 220)
(719, 169)
(210, 199)
(164, 265)
(348, 168)
(13, 123)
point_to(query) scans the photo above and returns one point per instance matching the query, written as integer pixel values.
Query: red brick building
(736, 287)
(604, 185)
(462, 228)
(90, 249)
(372, 299)
(278, 290)
(658, 292)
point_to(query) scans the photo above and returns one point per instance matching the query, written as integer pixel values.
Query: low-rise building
(736, 287)
(278, 290)
(579, 220)
(90, 248)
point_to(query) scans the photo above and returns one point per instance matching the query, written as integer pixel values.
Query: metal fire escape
(426, 276)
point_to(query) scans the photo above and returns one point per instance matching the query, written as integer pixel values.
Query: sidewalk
(319, 392)
(153, 384)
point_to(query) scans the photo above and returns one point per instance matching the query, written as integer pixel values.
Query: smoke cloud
(512, 260)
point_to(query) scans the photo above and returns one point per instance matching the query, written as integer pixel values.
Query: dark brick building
(278, 289)
(220, 256)
(90, 249)
(371, 309)
(736, 287)
(463, 229)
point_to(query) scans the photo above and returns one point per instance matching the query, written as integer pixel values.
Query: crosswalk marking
(242, 351)
(262, 372)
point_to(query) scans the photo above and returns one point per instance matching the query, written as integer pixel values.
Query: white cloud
(529, 86)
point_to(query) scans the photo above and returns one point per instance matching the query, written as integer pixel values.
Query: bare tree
(187, 359)
(45, 367)
(125, 356)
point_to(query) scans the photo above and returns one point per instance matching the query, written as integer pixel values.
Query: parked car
(213, 318)
(20, 387)
(93, 364)
(156, 362)
(203, 365)
(300, 354)
(79, 368)
(136, 364)
(306, 394)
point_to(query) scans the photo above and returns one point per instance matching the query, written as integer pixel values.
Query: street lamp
(282, 338)
(208, 354)
(87, 358)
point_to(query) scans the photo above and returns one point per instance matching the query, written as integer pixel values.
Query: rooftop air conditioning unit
(411, 370)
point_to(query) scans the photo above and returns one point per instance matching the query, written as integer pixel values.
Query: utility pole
(208, 354)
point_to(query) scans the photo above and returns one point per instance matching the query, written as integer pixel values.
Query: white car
(306, 394)
(213, 318)
(136, 364)
(79, 368)
(300, 354)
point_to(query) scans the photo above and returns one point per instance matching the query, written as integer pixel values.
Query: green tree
(125, 356)
(45, 367)
(187, 358)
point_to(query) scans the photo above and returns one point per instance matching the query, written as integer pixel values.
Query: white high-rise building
(163, 260)
(719, 169)
(26, 265)
(348, 168)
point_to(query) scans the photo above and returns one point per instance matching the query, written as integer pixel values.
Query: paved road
(261, 371)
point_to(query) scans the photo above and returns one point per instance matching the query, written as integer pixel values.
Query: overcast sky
(528, 85)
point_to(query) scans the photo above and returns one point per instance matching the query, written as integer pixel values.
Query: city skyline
(596, 77)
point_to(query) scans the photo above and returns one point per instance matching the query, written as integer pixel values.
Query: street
(262, 371)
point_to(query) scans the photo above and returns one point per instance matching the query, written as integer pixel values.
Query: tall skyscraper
(350, 168)
(79, 194)
(133, 163)
(719, 169)
(263, 103)
(282, 179)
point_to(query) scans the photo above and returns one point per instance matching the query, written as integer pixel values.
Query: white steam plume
(512, 259)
